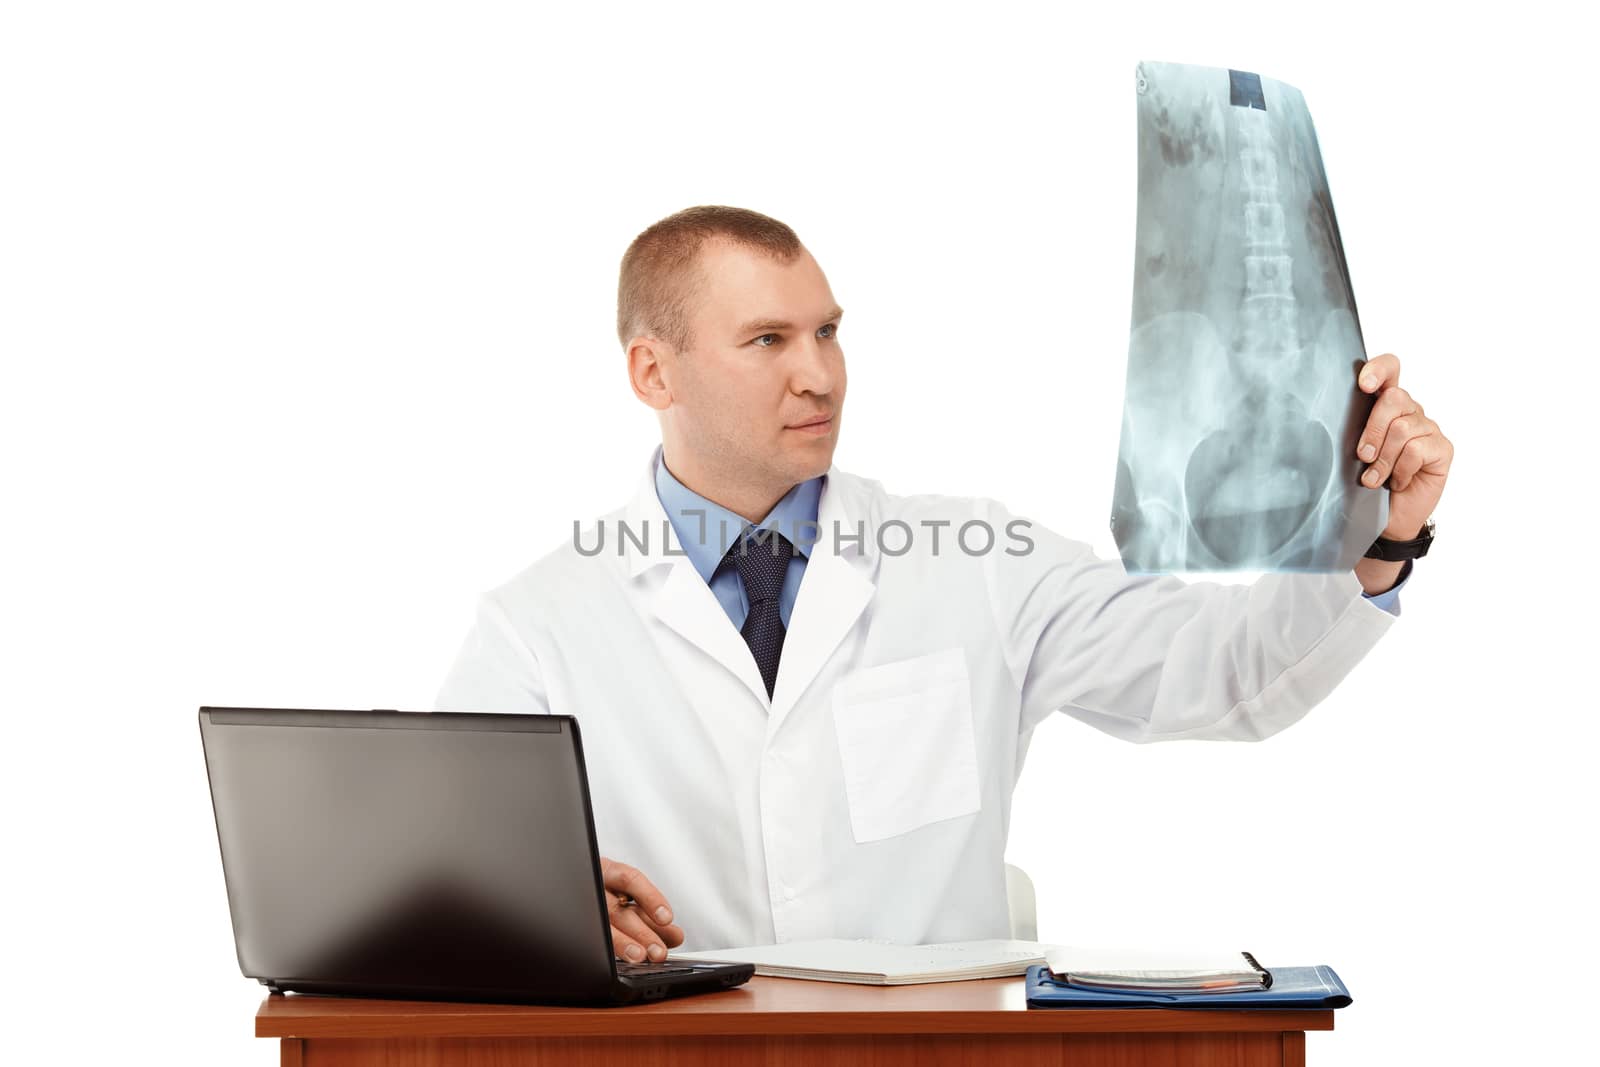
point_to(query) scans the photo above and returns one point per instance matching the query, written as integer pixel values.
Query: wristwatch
(1394, 551)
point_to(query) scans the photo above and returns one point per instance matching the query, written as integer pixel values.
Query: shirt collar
(795, 516)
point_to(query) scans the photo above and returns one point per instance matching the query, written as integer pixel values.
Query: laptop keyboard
(628, 969)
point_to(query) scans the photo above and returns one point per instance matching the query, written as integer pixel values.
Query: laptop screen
(409, 849)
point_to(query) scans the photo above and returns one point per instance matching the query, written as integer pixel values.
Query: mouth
(819, 425)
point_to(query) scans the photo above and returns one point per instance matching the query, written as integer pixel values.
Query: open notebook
(868, 962)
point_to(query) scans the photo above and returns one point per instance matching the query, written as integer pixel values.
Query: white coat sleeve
(495, 669)
(1154, 658)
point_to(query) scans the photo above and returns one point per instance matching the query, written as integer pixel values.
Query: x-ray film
(1241, 412)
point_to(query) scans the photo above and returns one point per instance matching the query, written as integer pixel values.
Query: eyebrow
(778, 324)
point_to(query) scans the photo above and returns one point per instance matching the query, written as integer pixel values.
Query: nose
(818, 367)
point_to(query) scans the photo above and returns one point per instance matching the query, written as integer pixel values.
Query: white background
(308, 337)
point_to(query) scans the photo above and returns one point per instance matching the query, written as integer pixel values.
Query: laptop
(421, 856)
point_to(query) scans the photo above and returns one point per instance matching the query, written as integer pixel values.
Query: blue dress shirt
(692, 516)
(1389, 599)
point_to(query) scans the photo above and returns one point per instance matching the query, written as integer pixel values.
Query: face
(763, 367)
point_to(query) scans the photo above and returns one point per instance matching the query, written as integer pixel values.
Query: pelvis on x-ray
(1241, 413)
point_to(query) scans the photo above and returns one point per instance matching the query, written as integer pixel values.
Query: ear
(647, 371)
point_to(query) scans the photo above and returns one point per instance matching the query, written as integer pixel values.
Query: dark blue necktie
(762, 561)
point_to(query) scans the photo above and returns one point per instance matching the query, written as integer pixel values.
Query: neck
(745, 498)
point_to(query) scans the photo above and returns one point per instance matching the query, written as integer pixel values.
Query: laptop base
(624, 991)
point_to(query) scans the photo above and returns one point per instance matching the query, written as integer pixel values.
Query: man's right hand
(642, 929)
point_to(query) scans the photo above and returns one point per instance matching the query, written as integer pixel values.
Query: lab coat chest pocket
(906, 741)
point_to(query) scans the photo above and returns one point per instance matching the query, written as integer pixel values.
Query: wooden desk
(783, 1021)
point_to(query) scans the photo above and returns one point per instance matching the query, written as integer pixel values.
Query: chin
(797, 463)
(815, 463)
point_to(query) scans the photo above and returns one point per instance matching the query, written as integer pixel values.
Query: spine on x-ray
(1268, 329)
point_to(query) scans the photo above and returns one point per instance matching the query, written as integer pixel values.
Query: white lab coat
(871, 796)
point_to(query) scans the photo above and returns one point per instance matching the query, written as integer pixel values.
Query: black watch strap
(1395, 551)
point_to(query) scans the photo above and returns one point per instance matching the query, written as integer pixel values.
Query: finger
(633, 926)
(1401, 430)
(670, 934)
(667, 933)
(621, 878)
(624, 947)
(1430, 452)
(1412, 458)
(1392, 403)
(625, 940)
(1379, 372)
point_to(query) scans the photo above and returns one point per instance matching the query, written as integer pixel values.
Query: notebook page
(881, 958)
(1146, 963)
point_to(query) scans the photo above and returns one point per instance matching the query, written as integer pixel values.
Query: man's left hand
(1403, 445)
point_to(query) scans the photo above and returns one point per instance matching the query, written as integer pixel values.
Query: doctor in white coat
(801, 694)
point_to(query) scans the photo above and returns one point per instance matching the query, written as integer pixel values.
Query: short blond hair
(660, 279)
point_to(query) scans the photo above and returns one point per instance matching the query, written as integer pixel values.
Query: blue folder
(1292, 987)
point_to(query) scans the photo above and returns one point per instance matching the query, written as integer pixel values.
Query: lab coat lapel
(834, 590)
(682, 600)
(685, 603)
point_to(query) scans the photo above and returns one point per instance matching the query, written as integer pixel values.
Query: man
(806, 701)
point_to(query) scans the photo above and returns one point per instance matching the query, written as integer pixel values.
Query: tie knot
(762, 560)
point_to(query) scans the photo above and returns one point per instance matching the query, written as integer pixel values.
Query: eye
(763, 337)
(832, 327)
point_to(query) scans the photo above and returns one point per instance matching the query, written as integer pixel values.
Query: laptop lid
(409, 853)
